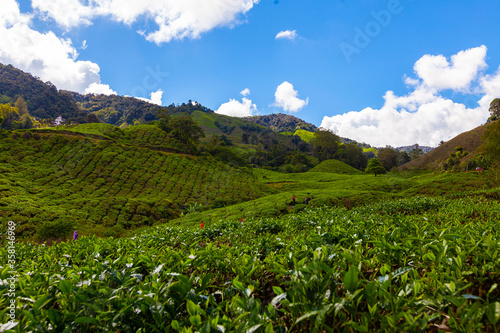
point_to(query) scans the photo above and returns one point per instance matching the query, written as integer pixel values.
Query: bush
(57, 229)
(26, 135)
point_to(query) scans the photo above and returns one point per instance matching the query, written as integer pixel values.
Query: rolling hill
(469, 141)
(107, 180)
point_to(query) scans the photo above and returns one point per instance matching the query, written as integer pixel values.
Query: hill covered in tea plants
(105, 180)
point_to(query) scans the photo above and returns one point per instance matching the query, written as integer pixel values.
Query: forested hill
(119, 110)
(282, 123)
(45, 101)
(42, 98)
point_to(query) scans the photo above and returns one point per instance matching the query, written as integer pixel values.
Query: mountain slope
(469, 141)
(43, 99)
(107, 180)
(282, 123)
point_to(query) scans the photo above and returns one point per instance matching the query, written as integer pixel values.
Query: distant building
(59, 121)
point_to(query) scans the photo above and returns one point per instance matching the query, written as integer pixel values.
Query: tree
(325, 144)
(21, 106)
(352, 154)
(494, 109)
(26, 121)
(92, 118)
(416, 152)
(388, 157)
(10, 116)
(491, 141)
(375, 167)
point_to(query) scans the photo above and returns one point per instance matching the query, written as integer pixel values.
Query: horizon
(381, 72)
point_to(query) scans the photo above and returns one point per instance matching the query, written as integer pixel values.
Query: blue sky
(392, 72)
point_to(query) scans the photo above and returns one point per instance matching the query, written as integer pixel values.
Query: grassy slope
(470, 141)
(335, 166)
(341, 190)
(104, 184)
(304, 135)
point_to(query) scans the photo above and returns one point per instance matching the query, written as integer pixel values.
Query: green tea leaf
(351, 279)
(493, 312)
(65, 286)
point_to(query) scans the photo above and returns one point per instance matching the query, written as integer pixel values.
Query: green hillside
(469, 141)
(334, 166)
(304, 135)
(104, 180)
(42, 98)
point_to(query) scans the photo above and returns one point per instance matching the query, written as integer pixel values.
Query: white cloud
(174, 19)
(286, 98)
(424, 116)
(287, 34)
(245, 92)
(98, 88)
(154, 97)
(44, 55)
(437, 72)
(67, 13)
(234, 108)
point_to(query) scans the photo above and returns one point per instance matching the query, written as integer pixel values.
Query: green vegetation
(304, 135)
(105, 180)
(418, 264)
(491, 141)
(42, 100)
(375, 167)
(405, 251)
(335, 166)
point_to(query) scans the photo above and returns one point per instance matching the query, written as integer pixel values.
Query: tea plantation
(402, 252)
(107, 182)
(405, 265)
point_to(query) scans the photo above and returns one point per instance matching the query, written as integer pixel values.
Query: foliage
(10, 116)
(494, 109)
(391, 158)
(491, 141)
(101, 177)
(304, 135)
(43, 100)
(335, 166)
(21, 106)
(375, 167)
(416, 152)
(283, 123)
(454, 161)
(326, 144)
(184, 131)
(418, 264)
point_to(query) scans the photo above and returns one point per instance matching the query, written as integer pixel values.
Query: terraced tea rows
(109, 185)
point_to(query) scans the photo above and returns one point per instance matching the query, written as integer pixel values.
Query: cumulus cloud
(234, 108)
(245, 92)
(174, 19)
(423, 115)
(99, 89)
(44, 55)
(154, 97)
(287, 34)
(437, 72)
(286, 98)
